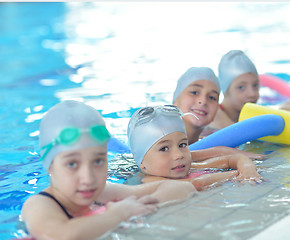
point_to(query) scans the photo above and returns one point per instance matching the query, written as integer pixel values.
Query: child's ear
(142, 167)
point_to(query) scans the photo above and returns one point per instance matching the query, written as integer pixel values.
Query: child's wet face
(80, 175)
(201, 98)
(170, 157)
(245, 88)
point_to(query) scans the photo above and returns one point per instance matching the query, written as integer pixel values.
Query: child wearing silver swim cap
(66, 120)
(73, 140)
(197, 91)
(239, 82)
(157, 137)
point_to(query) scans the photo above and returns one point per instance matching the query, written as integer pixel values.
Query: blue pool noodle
(242, 132)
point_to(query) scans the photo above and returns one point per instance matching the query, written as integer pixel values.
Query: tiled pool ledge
(230, 211)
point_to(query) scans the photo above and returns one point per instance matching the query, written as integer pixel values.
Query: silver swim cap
(63, 127)
(193, 74)
(148, 125)
(232, 65)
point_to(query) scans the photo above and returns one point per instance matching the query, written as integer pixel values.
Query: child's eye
(72, 164)
(257, 85)
(194, 92)
(99, 162)
(212, 98)
(183, 145)
(164, 149)
(241, 87)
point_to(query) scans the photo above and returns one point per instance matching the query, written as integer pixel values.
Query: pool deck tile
(227, 212)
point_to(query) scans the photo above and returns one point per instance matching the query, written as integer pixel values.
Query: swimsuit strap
(222, 107)
(52, 197)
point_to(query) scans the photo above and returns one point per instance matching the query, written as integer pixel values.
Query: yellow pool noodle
(251, 110)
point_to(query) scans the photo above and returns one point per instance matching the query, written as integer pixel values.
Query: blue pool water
(116, 57)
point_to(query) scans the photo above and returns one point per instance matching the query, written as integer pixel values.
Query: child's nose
(201, 100)
(178, 154)
(253, 93)
(87, 175)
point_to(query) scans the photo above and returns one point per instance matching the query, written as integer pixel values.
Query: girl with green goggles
(73, 142)
(70, 125)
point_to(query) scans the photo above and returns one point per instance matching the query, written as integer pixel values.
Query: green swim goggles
(71, 135)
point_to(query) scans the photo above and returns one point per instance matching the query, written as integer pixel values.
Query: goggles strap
(189, 113)
(48, 147)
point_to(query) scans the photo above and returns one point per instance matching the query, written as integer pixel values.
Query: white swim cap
(193, 74)
(232, 65)
(149, 124)
(75, 117)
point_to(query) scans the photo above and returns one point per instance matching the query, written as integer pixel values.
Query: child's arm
(200, 155)
(201, 182)
(46, 220)
(247, 169)
(162, 190)
(212, 179)
(221, 120)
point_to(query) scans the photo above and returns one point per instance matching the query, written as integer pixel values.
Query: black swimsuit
(62, 207)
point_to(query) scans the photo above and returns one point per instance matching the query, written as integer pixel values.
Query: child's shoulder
(38, 203)
(191, 175)
(33, 202)
(148, 179)
(221, 120)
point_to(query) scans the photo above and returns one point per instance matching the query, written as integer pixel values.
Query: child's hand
(148, 199)
(249, 174)
(132, 206)
(246, 168)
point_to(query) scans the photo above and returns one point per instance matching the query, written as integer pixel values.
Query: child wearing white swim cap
(73, 140)
(197, 91)
(157, 138)
(239, 82)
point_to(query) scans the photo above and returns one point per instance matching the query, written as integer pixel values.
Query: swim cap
(63, 115)
(144, 130)
(193, 74)
(232, 65)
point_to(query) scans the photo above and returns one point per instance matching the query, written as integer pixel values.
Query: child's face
(245, 88)
(170, 157)
(80, 175)
(201, 98)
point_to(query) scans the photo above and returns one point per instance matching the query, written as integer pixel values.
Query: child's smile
(179, 168)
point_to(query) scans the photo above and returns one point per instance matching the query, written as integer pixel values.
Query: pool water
(116, 57)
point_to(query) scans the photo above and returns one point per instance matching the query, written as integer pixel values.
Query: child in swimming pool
(239, 81)
(197, 92)
(73, 140)
(158, 140)
(240, 84)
